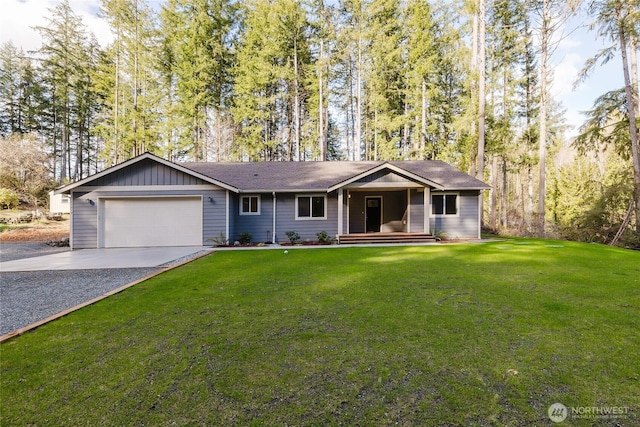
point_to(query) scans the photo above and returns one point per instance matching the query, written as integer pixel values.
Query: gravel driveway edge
(162, 269)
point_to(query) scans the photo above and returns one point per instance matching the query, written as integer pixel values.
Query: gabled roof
(119, 166)
(255, 177)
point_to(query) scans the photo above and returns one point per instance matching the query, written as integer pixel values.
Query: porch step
(364, 238)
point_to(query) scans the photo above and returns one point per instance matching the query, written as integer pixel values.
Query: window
(311, 207)
(250, 205)
(444, 204)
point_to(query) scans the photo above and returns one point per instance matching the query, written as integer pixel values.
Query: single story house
(150, 201)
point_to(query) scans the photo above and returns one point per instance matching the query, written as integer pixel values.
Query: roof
(328, 176)
(248, 177)
(119, 166)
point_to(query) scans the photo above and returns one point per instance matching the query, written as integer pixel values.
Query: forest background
(464, 81)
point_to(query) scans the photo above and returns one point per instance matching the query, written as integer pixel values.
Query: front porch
(394, 237)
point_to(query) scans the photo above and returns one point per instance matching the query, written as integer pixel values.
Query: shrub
(293, 236)
(245, 238)
(8, 199)
(219, 240)
(323, 237)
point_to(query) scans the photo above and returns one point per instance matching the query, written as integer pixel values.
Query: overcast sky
(19, 16)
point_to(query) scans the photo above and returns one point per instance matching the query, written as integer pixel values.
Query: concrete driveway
(90, 259)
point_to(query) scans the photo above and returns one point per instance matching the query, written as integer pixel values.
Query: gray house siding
(286, 218)
(147, 172)
(85, 215)
(259, 226)
(463, 225)
(417, 211)
(84, 221)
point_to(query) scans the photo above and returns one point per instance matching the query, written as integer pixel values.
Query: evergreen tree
(134, 98)
(65, 63)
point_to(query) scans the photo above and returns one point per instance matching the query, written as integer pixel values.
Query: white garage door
(164, 221)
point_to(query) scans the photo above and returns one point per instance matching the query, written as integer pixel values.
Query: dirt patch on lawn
(37, 231)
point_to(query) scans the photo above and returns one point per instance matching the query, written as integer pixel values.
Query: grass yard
(489, 334)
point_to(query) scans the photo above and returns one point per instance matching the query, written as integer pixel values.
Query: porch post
(227, 219)
(408, 210)
(427, 209)
(273, 226)
(348, 214)
(340, 210)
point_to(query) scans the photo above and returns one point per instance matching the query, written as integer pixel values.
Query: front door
(373, 214)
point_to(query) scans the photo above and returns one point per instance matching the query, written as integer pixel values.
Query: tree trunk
(474, 85)
(321, 140)
(542, 142)
(423, 120)
(481, 95)
(493, 205)
(358, 129)
(633, 129)
(296, 99)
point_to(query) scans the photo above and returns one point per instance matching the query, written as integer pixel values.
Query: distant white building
(59, 203)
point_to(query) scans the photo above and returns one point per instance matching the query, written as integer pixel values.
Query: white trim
(273, 231)
(392, 168)
(250, 196)
(310, 218)
(444, 205)
(71, 215)
(348, 209)
(408, 210)
(340, 210)
(480, 196)
(227, 218)
(427, 210)
(68, 188)
(105, 188)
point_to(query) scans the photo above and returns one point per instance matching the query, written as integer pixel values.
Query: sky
(19, 16)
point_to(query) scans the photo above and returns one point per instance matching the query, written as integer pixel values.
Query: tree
(618, 20)
(273, 82)
(25, 168)
(196, 63)
(133, 99)
(66, 57)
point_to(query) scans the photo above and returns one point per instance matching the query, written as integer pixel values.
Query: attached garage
(150, 221)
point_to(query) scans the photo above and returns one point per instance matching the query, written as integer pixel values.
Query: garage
(150, 221)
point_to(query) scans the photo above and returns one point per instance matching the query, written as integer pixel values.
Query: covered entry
(150, 221)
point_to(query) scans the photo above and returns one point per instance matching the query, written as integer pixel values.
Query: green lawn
(349, 336)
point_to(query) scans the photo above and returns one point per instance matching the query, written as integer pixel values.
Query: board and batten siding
(307, 229)
(147, 172)
(465, 224)
(85, 215)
